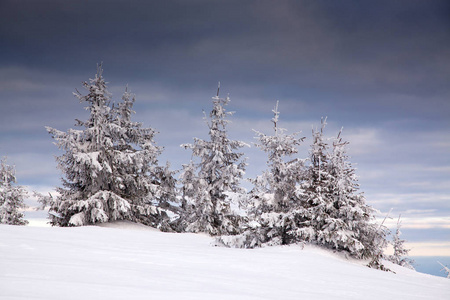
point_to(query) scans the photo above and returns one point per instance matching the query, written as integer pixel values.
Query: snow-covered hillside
(128, 261)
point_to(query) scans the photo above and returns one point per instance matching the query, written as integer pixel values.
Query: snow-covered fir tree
(109, 166)
(400, 254)
(284, 172)
(359, 234)
(166, 198)
(337, 215)
(11, 197)
(273, 205)
(216, 169)
(150, 187)
(315, 189)
(189, 191)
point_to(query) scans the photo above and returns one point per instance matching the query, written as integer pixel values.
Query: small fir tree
(374, 238)
(445, 269)
(219, 170)
(189, 190)
(109, 166)
(11, 197)
(400, 254)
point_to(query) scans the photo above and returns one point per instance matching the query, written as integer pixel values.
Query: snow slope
(128, 261)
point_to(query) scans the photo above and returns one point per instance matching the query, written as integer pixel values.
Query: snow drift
(129, 261)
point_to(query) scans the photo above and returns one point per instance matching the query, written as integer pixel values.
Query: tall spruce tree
(109, 166)
(273, 204)
(315, 189)
(351, 224)
(348, 213)
(11, 197)
(274, 200)
(218, 171)
(336, 214)
(283, 174)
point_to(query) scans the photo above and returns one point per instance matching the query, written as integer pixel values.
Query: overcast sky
(380, 69)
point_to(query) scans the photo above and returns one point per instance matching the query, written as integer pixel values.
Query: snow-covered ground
(129, 261)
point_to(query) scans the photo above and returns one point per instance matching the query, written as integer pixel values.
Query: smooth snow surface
(128, 261)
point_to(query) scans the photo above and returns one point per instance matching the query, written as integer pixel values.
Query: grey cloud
(314, 44)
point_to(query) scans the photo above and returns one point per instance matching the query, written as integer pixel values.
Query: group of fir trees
(314, 200)
(111, 172)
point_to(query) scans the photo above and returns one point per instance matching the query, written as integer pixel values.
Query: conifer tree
(337, 215)
(11, 197)
(445, 269)
(352, 226)
(400, 254)
(273, 204)
(189, 191)
(109, 166)
(281, 177)
(219, 169)
(315, 189)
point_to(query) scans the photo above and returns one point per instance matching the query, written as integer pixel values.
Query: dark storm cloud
(141, 33)
(353, 47)
(359, 62)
